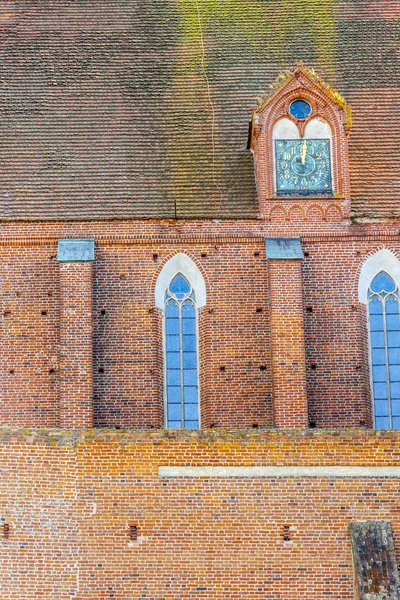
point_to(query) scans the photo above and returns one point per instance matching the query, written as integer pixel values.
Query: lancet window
(181, 355)
(384, 331)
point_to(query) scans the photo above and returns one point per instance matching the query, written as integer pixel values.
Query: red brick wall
(76, 345)
(69, 500)
(287, 344)
(29, 337)
(336, 333)
(234, 325)
(128, 341)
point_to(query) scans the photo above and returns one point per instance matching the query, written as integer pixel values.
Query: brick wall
(235, 336)
(69, 499)
(76, 347)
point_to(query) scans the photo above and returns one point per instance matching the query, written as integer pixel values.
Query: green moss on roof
(106, 111)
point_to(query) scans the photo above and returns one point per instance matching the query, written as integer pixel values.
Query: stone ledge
(278, 471)
(245, 437)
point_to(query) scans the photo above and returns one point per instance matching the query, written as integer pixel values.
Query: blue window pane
(174, 412)
(300, 109)
(378, 356)
(395, 389)
(376, 322)
(191, 412)
(375, 306)
(181, 355)
(396, 423)
(396, 408)
(172, 326)
(190, 394)
(188, 310)
(394, 356)
(393, 338)
(394, 372)
(377, 339)
(381, 408)
(189, 360)
(393, 322)
(172, 343)
(190, 377)
(189, 343)
(189, 326)
(174, 394)
(382, 282)
(382, 422)
(173, 360)
(379, 373)
(392, 306)
(380, 390)
(174, 377)
(172, 310)
(179, 286)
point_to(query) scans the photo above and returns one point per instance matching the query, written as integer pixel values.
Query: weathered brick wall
(69, 499)
(29, 337)
(76, 345)
(287, 344)
(128, 369)
(336, 332)
(235, 366)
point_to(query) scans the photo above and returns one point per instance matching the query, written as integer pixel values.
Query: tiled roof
(130, 109)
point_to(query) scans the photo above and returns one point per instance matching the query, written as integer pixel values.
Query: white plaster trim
(318, 130)
(181, 263)
(384, 260)
(278, 471)
(285, 129)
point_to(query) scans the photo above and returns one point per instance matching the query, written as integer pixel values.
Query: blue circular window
(300, 109)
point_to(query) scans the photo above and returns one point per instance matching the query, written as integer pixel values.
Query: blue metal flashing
(284, 248)
(75, 250)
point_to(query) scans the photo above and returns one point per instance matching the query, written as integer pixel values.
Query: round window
(300, 109)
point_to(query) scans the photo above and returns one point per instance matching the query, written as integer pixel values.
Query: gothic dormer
(299, 134)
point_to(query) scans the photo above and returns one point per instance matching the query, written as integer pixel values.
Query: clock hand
(303, 153)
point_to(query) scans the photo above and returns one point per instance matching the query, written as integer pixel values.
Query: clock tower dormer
(299, 135)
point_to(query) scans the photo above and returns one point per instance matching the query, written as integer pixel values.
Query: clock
(303, 167)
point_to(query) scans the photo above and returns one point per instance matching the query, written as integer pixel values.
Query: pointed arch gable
(384, 260)
(180, 263)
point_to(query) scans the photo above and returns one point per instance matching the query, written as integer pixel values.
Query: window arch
(180, 292)
(384, 333)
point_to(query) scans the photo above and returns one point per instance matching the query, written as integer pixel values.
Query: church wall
(235, 363)
(72, 500)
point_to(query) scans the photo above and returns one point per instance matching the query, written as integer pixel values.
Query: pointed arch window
(384, 331)
(181, 355)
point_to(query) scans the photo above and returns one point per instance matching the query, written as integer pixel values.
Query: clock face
(303, 167)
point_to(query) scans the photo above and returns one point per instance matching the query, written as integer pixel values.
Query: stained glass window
(384, 331)
(300, 109)
(181, 365)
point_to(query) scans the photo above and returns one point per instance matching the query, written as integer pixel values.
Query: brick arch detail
(180, 262)
(319, 209)
(383, 259)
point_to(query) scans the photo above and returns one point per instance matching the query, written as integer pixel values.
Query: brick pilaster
(287, 341)
(76, 346)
